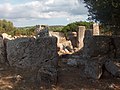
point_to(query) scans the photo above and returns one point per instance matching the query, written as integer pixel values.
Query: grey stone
(34, 55)
(43, 33)
(47, 74)
(93, 67)
(72, 62)
(2, 51)
(89, 44)
(18, 52)
(113, 67)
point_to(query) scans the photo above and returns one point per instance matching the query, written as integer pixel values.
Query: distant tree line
(8, 27)
(74, 26)
(56, 28)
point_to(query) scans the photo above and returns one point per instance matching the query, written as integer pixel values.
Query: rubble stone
(113, 67)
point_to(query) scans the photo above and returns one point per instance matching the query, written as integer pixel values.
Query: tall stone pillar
(88, 48)
(80, 36)
(96, 30)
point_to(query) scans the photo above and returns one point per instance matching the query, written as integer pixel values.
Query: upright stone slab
(80, 35)
(44, 57)
(96, 30)
(38, 57)
(2, 51)
(41, 31)
(18, 52)
(93, 67)
(89, 45)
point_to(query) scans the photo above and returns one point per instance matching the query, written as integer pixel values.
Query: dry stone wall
(99, 52)
(38, 57)
(2, 51)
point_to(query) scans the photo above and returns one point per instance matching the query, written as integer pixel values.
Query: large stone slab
(89, 45)
(94, 67)
(39, 56)
(2, 51)
(18, 52)
(113, 67)
(96, 30)
(80, 36)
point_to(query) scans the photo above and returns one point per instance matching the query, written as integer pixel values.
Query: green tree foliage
(74, 26)
(28, 31)
(6, 26)
(56, 28)
(107, 12)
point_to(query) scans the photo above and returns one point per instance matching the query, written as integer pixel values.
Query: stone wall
(72, 36)
(105, 45)
(60, 36)
(35, 58)
(99, 52)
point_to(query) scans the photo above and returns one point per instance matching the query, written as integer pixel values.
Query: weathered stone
(65, 47)
(41, 31)
(101, 45)
(72, 36)
(96, 30)
(72, 62)
(113, 67)
(60, 36)
(45, 49)
(18, 52)
(80, 36)
(47, 74)
(34, 55)
(93, 67)
(89, 44)
(2, 51)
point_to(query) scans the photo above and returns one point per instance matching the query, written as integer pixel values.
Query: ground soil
(69, 78)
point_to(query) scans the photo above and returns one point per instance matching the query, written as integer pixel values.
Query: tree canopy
(74, 26)
(107, 12)
(6, 26)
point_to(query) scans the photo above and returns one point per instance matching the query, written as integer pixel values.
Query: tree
(74, 26)
(107, 12)
(6, 26)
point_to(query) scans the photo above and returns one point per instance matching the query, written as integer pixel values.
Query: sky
(50, 12)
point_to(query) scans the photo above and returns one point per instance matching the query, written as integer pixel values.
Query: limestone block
(96, 30)
(80, 36)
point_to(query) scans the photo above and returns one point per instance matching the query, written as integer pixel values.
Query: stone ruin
(101, 51)
(36, 58)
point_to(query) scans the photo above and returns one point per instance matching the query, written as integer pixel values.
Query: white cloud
(36, 9)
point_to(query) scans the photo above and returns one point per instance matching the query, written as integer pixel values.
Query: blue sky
(34, 12)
